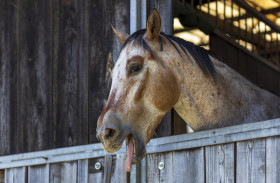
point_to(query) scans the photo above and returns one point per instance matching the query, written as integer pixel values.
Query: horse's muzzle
(113, 132)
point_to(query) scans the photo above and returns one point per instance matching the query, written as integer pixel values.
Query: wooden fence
(243, 153)
(53, 60)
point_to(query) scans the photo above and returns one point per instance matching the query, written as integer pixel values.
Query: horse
(156, 72)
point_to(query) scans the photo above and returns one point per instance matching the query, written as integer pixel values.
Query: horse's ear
(153, 25)
(121, 35)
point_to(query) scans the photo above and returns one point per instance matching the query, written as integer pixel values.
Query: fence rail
(235, 154)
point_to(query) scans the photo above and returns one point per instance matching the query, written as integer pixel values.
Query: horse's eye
(133, 68)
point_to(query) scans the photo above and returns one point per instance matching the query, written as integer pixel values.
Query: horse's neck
(205, 103)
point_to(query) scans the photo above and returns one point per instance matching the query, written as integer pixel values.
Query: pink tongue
(129, 156)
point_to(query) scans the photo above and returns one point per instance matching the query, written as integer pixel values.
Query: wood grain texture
(273, 160)
(155, 175)
(64, 172)
(34, 127)
(2, 176)
(219, 163)
(179, 166)
(8, 76)
(108, 166)
(16, 175)
(39, 174)
(103, 45)
(188, 166)
(251, 161)
(165, 128)
(70, 68)
(83, 171)
(96, 175)
(118, 173)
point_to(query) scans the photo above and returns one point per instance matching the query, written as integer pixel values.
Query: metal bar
(133, 16)
(268, 11)
(217, 16)
(258, 15)
(246, 32)
(185, 141)
(231, 14)
(208, 7)
(225, 13)
(252, 34)
(143, 14)
(239, 23)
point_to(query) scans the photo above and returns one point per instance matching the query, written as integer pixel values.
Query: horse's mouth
(134, 153)
(134, 144)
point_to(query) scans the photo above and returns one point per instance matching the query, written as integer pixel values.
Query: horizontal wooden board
(164, 144)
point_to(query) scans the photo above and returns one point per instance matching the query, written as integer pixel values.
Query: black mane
(200, 54)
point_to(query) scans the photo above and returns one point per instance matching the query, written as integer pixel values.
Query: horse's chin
(112, 147)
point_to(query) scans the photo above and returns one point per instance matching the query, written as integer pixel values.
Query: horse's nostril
(109, 133)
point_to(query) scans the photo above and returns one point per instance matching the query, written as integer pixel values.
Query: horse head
(143, 89)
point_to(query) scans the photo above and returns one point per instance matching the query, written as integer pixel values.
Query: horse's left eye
(133, 68)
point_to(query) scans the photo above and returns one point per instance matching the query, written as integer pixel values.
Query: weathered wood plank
(215, 136)
(119, 174)
(34, 127)
(188, 166)
(96, 175)
(64, 172)
(2, 176)
(154, 174)
(179, 166)
(273, 160)
(250, 161)
(104, 46)
(108, 164)
(219, 163)
(39, 174)
(8, 76)
(186, 141)
(70, 80)
(16, 175)
(83, 171)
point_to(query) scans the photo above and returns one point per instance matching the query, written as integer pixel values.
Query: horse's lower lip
(139, 146)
